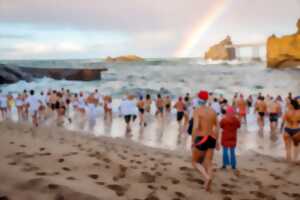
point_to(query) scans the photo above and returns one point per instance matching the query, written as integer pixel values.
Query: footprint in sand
(45, 154)
(175, 181)
(180, 194)
(23, 146)
(100, 183)
(225, 185)
(118, 189)
(195, 180)
(151, 187)
(70, 178)
(164, 187)
(185, 168)
(227, 198)
(4, 198)
(53, 186)
(41, 174)
(66, 169)
(42, 149)
(30, 169)
(106, 160)
(152, 197)
(93, 176)
(259, 194)
(158, 173)
(146, 177)
(61, 160)
(11, 143)
(226, 192)
(96, 164)
(12, 163)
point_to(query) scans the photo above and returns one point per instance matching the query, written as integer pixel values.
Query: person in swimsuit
(204, 138)
(242, 109)
(180, 107)
(261, 109)
(274, 114)
(141, 108)
(159, 106)
(168, 103)
(108, 109)
(291, 121)
(249, 102)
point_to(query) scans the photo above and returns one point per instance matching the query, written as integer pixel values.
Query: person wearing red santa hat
(205, 138)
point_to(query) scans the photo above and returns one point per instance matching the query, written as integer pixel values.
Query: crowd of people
(202, 116)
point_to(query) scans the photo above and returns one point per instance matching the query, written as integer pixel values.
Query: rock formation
(284, 52)
(126, 58)
(220, 52)
(12, 74)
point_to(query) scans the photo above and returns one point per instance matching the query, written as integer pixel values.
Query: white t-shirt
(43, 99)
(128, 107)
(33, 103)
(3, 102)
(216, 107)
(19, 102)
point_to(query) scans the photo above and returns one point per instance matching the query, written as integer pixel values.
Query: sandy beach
(51, 163)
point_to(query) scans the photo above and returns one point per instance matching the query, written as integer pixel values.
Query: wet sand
(52, 163)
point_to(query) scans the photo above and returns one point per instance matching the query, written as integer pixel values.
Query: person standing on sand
(3, 105)
(291, 131)
(204, 139)
(261, 109)
(19, 104)
(230, 124)
(274, 114)
(33, 104)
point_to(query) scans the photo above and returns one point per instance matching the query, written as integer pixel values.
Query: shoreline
(54, 163)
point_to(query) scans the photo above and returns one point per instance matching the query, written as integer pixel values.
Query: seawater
(173, 77)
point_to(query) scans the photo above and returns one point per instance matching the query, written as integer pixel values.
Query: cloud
(150, 28)
(14, 36)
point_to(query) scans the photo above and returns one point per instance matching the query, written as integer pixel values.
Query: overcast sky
(41, 29)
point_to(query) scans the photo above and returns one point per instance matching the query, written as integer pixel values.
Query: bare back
(292, 118)
(205, 121)
(261, 106)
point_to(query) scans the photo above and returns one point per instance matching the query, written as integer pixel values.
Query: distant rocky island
(284, 52)
(125, 58)
(220, 51)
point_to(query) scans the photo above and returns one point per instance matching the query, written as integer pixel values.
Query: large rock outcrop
(126, 58)
(12, 74)
(220, 51)
(284, 52)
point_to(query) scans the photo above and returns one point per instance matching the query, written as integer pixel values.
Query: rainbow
(201, 27)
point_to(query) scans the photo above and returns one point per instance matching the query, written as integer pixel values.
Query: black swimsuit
(292, 131)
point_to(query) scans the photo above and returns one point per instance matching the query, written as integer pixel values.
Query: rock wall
(284, 52)
(220, 52)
